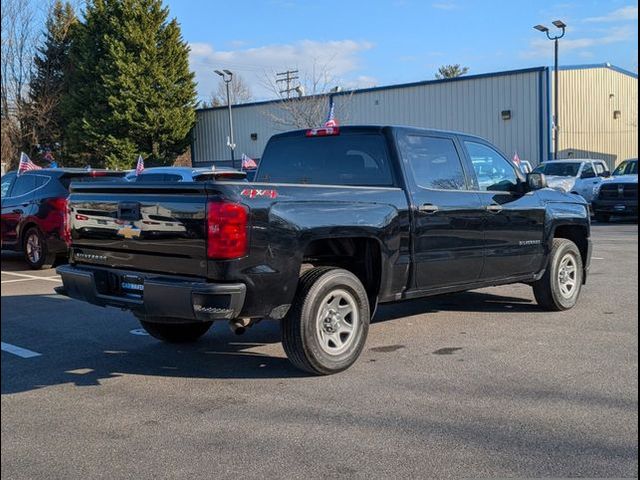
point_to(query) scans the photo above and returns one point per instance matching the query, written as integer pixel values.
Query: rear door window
(24, 184)
(7, 181)
(349, 159)
(434, 161)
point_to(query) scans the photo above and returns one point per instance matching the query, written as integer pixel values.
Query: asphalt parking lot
(468, 385)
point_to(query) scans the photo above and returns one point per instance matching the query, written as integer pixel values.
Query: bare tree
(20, 34)
(309, 107)
(239, 91)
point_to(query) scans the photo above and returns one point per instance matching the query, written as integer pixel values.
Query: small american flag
(331, 117)
(139, 165)
(248, 163)
(516, 158)
(26, 164)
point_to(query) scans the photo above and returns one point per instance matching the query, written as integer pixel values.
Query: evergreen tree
(451, 71)
(131, 91)
(48, 84)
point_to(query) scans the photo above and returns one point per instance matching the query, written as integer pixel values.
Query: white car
(579, 176)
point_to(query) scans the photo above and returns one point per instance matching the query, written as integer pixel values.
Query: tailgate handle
(129, 211)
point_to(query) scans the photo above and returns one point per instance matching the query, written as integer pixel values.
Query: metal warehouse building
(512, 109)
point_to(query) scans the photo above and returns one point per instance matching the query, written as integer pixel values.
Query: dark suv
(618, 195)
(35, 214)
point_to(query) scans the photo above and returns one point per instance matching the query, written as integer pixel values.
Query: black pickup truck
(337, 221)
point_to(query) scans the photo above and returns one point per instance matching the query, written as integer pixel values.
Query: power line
(289, 76)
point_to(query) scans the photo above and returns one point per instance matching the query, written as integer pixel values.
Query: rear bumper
(621, 207)
(173, 298)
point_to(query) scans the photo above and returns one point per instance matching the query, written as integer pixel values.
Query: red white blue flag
(248, 163)
(516, 158)
(331, 117)
(139, 165)
(26, 164)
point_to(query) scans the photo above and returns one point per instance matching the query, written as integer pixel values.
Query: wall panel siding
(587, 101)
(470, 105)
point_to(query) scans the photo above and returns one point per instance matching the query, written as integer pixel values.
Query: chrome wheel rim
(568, 275)
(34, 248)
(337, 322)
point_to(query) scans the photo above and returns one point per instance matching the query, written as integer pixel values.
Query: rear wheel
(559, 287)
(175, 332)
(327, 324)
(34, 247)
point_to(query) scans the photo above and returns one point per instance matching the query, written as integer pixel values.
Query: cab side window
(434, 161)
(23, 185)
(494, 172)
(601, 169)
(588, 171)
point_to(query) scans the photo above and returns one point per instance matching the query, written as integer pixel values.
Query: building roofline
(391, 87)
(588, 66)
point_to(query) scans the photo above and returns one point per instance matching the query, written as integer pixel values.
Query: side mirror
(606, 174)
(536, 181)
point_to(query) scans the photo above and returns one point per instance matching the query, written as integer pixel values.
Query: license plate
(132, 285)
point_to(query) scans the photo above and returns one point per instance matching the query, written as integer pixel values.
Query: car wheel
(175, 332)
(327, 324)
(34, 247)
(602, 217)
(559, 287)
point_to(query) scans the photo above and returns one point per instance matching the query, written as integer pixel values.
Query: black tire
(175, 332)
(307, 338)
(35, 250)
(602, 217)
(550, 291)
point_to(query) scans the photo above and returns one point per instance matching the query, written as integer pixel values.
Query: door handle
(494, 208)
(428, 208)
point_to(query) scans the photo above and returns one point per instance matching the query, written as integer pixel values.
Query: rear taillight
(60, 205)
(226, 230)
(94, 173)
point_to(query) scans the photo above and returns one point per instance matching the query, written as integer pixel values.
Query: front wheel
(175, 332)
(327, 324)
(559, 287)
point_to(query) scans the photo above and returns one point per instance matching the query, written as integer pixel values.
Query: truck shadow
(84, 345)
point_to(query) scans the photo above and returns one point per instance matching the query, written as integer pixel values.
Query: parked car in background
(185, 174)
(618, 195)
(579, 176)
(35, 217)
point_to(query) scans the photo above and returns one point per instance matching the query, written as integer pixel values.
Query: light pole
(556, 125)
(227, 77)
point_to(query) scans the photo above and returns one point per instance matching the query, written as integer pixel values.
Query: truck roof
(379, 128)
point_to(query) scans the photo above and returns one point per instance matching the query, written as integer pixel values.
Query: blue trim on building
(540, 118)
(549, 116)
(391, 87)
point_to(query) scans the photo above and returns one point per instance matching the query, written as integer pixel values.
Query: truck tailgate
(150, 227)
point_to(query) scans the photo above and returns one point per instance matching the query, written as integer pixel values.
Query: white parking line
(19, 351)
(30, 277)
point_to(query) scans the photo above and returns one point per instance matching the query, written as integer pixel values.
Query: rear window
(357, 160)
(559, 169)
(158, 177)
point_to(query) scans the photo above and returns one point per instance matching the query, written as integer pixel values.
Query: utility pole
(227, 77)
(289, 76)
(559, 24)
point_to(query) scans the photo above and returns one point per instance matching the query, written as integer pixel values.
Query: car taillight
(226, 230)
(94, 173)
(61, 206)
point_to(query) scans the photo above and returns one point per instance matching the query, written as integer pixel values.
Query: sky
(355, 44)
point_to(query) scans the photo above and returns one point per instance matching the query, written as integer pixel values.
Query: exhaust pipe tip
(239, 325)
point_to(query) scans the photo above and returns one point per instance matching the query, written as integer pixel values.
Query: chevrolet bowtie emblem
(129, 232)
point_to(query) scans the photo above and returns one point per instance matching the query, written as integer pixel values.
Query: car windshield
(559, 169)
(627, 168)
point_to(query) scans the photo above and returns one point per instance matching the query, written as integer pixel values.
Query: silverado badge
(129, 232)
